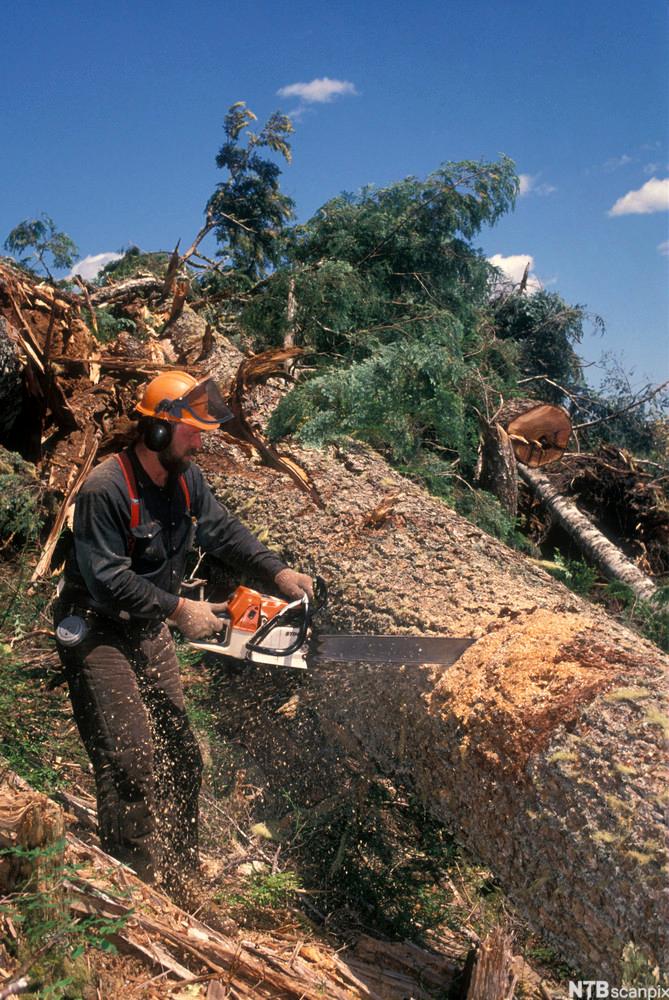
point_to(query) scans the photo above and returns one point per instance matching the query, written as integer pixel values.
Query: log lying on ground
(176, 946)
(621, 493)
(596, 546)
(542, 747)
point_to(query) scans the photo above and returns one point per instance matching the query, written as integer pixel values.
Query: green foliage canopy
(45, 240)
(393, 297)
(134, 261)
(546, 329)
(248, 209)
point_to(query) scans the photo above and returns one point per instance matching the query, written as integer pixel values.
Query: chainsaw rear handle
(306, 609)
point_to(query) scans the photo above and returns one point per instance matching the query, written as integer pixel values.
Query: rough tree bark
(542, 747)
(499, 474)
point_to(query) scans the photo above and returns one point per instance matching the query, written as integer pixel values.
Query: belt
(137, 627)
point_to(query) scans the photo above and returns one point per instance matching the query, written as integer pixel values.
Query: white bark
(596, 546)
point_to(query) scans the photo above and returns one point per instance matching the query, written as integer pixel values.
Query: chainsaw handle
(308, 611)
(253, 644)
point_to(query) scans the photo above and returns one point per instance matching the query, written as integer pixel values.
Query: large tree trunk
(541, 748)
(596, 546)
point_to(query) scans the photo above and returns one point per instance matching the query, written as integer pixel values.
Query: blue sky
(112, 115)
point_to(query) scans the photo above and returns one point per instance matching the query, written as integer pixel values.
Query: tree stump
(32, 843)
(491, 975)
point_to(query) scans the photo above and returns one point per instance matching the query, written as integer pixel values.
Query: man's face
(186, 442)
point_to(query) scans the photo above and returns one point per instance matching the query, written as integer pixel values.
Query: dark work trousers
(128, 703)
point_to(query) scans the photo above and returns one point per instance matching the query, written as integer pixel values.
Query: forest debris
(183, 949)
(88, 458)
(84, 809)
(624, 496)
(171, 940)
(181, 290)
(254, 371)
(382, 511)
(125, 291)
(34, 304)
(84, 291)
(171, 272)
(408, 961)
(31, 827)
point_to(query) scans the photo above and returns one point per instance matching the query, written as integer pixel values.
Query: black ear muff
(157, 435)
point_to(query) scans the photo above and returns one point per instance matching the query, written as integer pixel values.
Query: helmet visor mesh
(203, 403)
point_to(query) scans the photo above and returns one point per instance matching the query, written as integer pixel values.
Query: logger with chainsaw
(136, 518)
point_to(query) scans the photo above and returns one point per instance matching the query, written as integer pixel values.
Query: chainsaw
(262, 629)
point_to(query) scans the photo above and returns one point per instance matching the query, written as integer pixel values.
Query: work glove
(197, 619)
(294, 585)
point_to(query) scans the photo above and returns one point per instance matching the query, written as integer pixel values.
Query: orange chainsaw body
(246, 613)
(248, 609)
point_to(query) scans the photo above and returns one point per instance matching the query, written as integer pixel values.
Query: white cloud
(319, 91)
(525, 184)
(652, 197)
(513, 267)
(529, 184)
(89, 267)
(663, 248)
(616, 162)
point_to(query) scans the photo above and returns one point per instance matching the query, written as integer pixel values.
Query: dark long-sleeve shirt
(142, 578)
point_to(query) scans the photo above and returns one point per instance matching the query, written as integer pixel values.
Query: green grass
(26, 724)
(35, 722)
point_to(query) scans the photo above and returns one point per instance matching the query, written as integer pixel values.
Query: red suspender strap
(131, 483)
(186, 492)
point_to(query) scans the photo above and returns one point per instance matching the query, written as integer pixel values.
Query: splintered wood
(178, 948)
(492, 976)
(32, 828)
(182, 948)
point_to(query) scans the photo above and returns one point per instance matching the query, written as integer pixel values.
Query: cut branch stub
(539, 435)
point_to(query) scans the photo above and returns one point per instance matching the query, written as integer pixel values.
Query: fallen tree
(542, 748)
(595, 545)
(525, 436)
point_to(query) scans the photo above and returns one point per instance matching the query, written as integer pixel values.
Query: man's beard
(171, 463)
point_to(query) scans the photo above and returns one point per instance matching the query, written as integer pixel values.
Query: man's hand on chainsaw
(197, 619)
(294, 585)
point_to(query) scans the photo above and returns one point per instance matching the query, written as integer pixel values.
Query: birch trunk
(596, 546)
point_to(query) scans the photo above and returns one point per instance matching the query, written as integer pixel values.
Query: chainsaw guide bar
(262, 629)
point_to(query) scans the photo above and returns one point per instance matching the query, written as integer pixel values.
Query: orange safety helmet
(179, 398)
